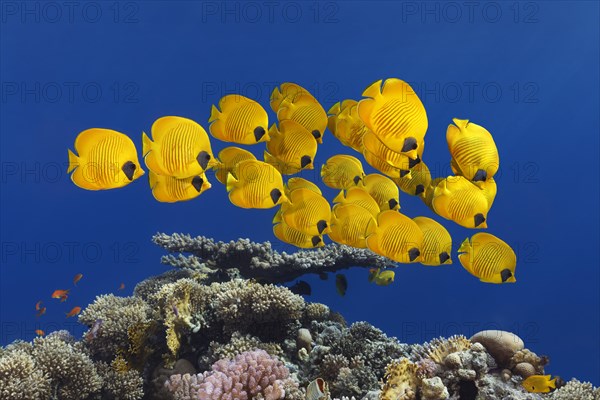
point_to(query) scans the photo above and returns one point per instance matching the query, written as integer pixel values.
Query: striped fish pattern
(240, 120)
(489, 258)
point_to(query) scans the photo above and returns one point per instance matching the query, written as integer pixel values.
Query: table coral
(260, 260)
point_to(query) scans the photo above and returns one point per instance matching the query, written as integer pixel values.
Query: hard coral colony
(221, 326)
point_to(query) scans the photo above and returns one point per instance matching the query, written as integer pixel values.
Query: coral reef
(247, 259)
(200, 334)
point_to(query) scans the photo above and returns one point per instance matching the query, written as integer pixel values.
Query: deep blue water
(527, 71)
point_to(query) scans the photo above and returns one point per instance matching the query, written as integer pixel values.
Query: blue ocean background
(527, 71)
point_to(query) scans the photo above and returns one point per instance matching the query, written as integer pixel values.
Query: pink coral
(249, 375)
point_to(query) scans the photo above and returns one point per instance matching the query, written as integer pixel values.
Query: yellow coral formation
(439, 349)
(176, 301)
(139, 351)
(119, 364)
(400, 381)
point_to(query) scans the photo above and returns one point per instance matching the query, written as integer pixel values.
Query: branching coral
(21, 379)
(575, 389)
(118, 314)
(249, 375)
(260, 260)
(72, 373)
(120, 383)
(265, 311)
(146, 288)
(316, 312)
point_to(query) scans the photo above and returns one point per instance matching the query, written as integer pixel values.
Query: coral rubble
(192, 333)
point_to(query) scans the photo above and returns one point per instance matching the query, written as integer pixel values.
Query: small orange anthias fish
(74, 312)
(41, 312)
(40, 332)
(60, 294)
(38, 305)
(121, 286)
(77, 278)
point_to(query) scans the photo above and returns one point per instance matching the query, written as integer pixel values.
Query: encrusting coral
(260, 260)
(188, 334)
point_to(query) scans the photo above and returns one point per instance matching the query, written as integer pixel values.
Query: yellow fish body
(297, 183)
(384, 167)
(255, 184)
(287, 90)
(292, 145)
(488, 258)
(457, 199)
(396, 237)
(179, 148)
(539, 384)
(359, 196)
(342, 172)
(307, 111)
(455, 168)
(383, 190)
(395, 114)
(167, 189)
(397, 160)
(346, 125)
(473, 150)
(228, 158)
(349, 224)
(105, 159)
(308, 212)
(430, 191)
(437, 242)
(384, 278)
(240, 120)
(417, 183)
(287, 234)
(489, 190)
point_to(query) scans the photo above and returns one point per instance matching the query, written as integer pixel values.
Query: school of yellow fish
(386, 127)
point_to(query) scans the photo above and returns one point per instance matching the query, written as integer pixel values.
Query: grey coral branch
(260, 260)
